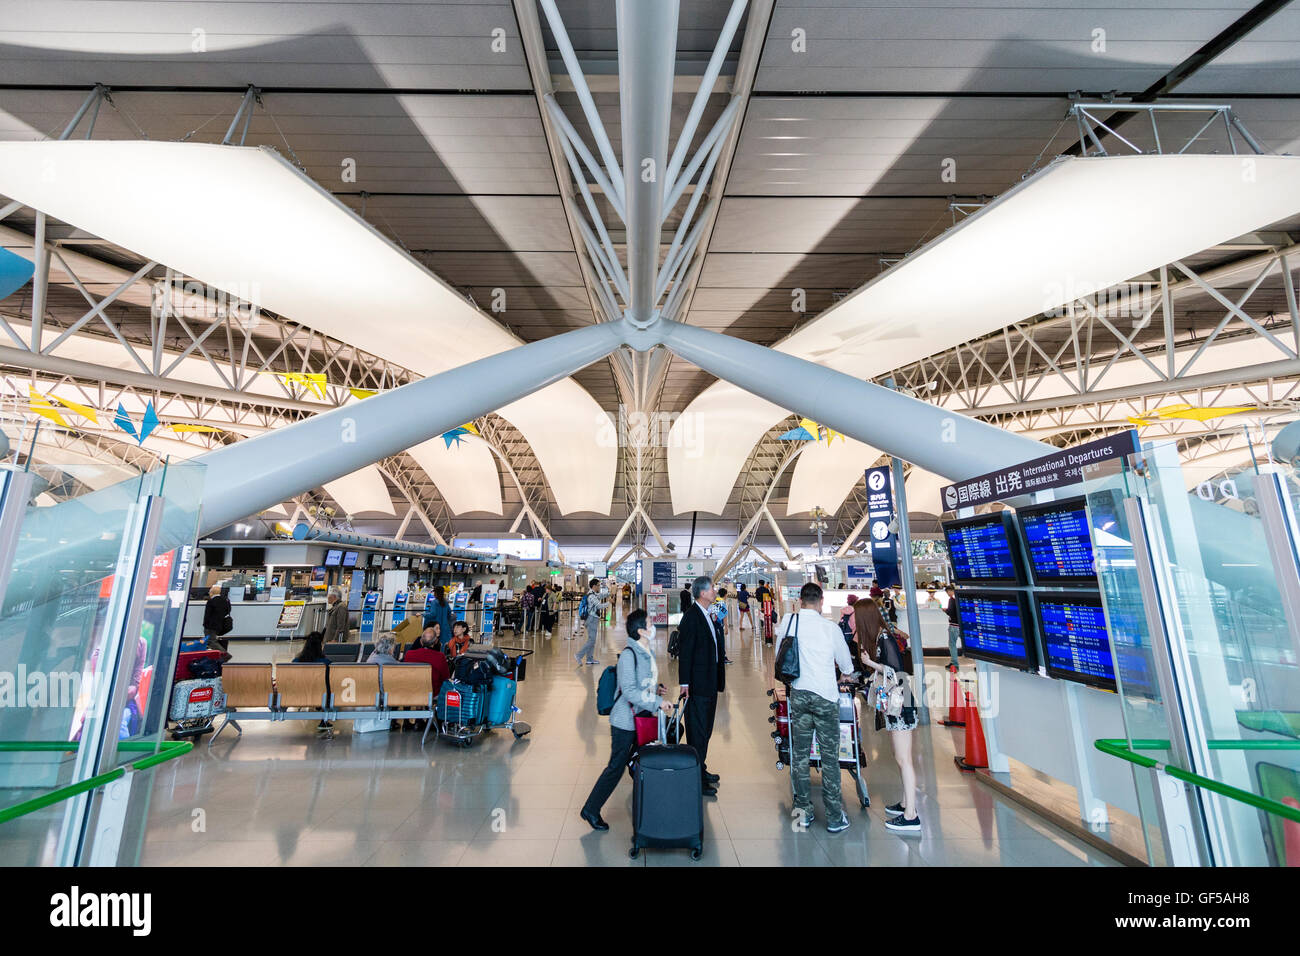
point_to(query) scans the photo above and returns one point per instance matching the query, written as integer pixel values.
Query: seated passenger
(385, 644)
(460, 639)
(313, 649)
(428, 650)
(313, 652)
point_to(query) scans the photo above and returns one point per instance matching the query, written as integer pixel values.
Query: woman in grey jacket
(638, 690)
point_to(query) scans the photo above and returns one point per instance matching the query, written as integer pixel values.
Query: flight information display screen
(1059, 543)
(983, 550)
(996, 627)
(1075, 639)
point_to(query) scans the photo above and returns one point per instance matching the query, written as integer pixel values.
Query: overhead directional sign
(1060, 468)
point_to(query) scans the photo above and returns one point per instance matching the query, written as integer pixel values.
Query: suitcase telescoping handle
(663, 723)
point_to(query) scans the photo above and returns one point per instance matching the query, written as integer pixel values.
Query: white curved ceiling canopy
(362, 492)
(465, 473)
(1074, 228)
(826, 473)
(246, 221)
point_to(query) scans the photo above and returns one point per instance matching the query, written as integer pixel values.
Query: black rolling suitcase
(667, 798)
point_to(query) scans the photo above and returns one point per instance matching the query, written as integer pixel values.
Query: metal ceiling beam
(19, 358)
(1206, 54)
(647, 57)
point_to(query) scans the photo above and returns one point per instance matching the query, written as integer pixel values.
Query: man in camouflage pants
(808, 713)
(814, 706)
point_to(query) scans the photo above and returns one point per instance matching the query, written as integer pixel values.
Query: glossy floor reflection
(280, 796)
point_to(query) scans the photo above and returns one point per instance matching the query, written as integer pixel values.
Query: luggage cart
(195, 702)
(462, 732)
(851, 755)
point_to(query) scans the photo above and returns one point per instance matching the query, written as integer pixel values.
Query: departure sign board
(996, 627)
(984, 550)
(1059, 543)
(1075, 639)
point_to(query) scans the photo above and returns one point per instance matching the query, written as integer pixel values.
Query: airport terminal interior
(517, 432)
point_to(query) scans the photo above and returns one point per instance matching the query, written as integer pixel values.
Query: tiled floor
(281, 796)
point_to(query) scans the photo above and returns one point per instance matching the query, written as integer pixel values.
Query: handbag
(893, 651)
(887, 695)
(787, 655)
(226, 626)
(647, 728)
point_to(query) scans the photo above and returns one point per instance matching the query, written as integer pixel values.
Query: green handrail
(159, 753)
(1120, 748)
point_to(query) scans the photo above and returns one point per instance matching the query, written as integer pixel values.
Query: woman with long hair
(872, 631)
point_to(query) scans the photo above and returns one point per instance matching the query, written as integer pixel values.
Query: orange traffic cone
(1291, 832)
(976, 756)
(956, 705)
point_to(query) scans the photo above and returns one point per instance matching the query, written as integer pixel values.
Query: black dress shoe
(710, 790)
(712, 778)
(594, 820)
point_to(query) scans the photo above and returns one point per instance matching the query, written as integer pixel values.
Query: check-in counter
(256, 619)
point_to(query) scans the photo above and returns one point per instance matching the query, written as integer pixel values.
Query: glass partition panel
(53, 628)
(1230, 652)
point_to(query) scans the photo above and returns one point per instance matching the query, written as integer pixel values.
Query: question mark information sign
(880, 518)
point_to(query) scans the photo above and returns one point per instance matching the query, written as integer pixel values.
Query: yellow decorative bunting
(44, 405)
(362, 392)
(1192, 413)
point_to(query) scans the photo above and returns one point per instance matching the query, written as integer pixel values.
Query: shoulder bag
(787, 655)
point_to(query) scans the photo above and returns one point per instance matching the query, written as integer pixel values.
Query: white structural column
(946, 443)
(647, 55)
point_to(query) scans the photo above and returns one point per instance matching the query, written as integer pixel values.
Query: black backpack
(474, 671)
(674, 643)
(607, 689)
(787, 654)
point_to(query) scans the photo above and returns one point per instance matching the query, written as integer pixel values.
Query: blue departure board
(983, 551)
(1059, 543)
(1075, 638)
(996, 627)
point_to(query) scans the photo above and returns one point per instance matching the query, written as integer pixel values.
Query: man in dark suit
(701, 674)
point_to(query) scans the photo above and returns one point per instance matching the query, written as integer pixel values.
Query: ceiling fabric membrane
(271, 236)
(826, 473)
(362, 492)
(1074, 228)
(465, 473)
